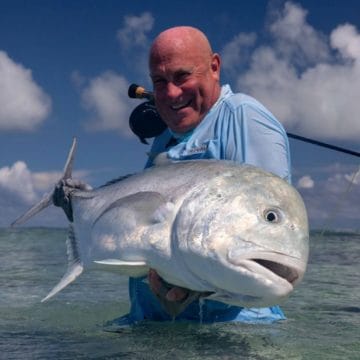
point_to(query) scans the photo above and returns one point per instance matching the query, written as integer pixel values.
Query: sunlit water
(323, 313)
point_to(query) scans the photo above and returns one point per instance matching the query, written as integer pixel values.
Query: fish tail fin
(69, 161)
(75, 266)
(47, 200)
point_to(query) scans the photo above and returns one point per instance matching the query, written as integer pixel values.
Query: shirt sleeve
(256, 137)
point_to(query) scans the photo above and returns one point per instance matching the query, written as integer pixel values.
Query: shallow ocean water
(323, 313)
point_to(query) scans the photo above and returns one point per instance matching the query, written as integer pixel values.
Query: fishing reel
(144, 121)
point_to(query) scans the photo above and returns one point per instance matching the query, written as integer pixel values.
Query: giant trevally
(232, 232)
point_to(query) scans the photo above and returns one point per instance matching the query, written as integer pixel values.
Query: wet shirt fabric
(236, 128)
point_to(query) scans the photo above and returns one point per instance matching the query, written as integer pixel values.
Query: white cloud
(43, 181)
(106, 97)
(17, 179)
(353, 178)
(134, 41)
(237, 50)
(23, 104)
(133, 33)
(346, 39)
(333, 202)
(310, 81)
(305, 182)
(296, 40)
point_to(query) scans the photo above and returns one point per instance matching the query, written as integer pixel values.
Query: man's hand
(174, 299)
(62, 194)
(163, 290)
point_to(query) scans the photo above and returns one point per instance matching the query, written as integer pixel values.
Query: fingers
(176, 294)
(156, 284)
(174, 299)
(164, 290)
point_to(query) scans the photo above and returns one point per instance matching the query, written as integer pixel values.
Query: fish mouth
(274, 266)
(286, 272)
(267, 278)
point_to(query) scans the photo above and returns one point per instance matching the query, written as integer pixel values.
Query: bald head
(185, 75)
(180, 39)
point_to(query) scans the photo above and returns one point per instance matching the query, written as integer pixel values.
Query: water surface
(323, 313)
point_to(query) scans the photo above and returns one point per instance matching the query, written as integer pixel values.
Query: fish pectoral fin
(124, 267)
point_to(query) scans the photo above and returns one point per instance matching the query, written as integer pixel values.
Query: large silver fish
(233, 232)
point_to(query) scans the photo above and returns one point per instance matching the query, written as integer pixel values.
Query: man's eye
(158, 82)
(182, 76)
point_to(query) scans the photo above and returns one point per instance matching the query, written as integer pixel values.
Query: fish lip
(272, 265)
(286, 272)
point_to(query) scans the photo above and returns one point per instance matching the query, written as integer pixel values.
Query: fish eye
(272, 216)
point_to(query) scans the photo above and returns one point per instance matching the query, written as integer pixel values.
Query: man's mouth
(180, 106)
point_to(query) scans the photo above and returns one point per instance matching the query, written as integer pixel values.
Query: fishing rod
(322, 144)
(145, 121)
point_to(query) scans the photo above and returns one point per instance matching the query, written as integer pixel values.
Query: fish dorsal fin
(116, 180)
(124, 267)
(75, 266)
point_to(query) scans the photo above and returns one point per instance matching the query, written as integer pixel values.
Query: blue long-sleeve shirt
(236, 128)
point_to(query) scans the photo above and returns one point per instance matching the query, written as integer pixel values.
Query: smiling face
(185, 75)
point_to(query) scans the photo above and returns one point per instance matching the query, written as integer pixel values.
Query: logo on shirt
(196, 150)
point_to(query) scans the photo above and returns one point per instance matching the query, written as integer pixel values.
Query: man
(205, 120)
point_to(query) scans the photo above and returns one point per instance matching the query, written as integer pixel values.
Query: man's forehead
(176, 62)
(171, 70)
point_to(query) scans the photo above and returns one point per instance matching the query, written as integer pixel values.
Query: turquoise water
(323, 313)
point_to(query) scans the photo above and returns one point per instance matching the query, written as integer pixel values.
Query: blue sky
(65, 67)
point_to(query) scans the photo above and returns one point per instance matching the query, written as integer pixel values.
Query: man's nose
(173, 91)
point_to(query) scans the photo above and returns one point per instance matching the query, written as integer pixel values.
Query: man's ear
(215, 65)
